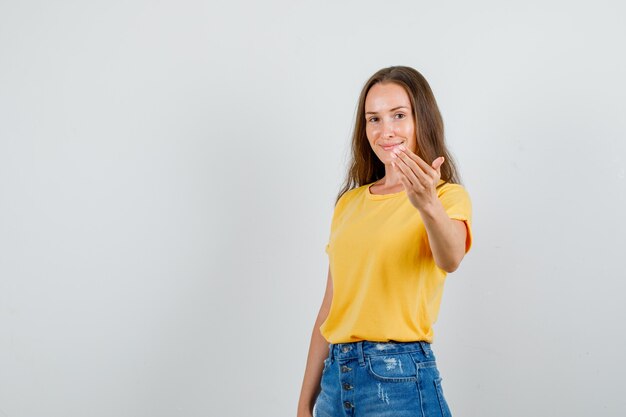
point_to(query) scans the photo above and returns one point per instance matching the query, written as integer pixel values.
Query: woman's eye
(373, 119)
(401, 114)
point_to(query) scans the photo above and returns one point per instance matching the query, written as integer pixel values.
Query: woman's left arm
(446, 236)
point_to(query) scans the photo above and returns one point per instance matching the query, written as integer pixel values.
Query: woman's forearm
(318, 351)
(446, 237)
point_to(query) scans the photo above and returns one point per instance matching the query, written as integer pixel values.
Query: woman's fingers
(437, 163)
(407, 176)
(404, 180)
(427, 169)
(417, 172)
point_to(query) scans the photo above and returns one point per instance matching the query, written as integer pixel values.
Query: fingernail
(402, 147)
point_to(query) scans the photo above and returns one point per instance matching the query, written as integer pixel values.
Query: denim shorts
(379, 379)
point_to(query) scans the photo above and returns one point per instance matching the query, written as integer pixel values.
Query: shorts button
(345, 368)
(347, 386)
(345, 349)
(347, 404)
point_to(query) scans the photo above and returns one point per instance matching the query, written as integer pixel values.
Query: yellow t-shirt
(386, 285)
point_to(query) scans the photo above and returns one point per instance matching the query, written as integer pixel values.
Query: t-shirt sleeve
(332, 226)
(338, 207)
(458, 205)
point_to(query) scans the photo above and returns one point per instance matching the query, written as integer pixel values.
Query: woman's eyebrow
(395, 108)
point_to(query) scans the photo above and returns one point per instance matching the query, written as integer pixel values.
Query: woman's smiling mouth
(391, 146)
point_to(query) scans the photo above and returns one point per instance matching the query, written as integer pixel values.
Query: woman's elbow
(449, 268)
(451, 265)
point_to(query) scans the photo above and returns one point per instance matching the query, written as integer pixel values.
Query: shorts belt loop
(426, 353)
(359, 348)
(331, 355)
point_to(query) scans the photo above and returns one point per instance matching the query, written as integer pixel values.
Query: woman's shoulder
(447, 187)
(453, 194)
(353, 192)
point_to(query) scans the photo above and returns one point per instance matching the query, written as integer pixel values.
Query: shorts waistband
(358, 350)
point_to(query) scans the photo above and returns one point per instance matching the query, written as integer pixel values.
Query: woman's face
(389, 120)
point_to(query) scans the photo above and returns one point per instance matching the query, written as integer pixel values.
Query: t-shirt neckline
(371, 196)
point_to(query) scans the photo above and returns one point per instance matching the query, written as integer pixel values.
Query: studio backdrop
(168, 171)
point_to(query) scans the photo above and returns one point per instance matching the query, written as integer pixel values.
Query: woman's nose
(388, 130)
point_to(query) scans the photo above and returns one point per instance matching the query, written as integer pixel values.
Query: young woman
(401, 222)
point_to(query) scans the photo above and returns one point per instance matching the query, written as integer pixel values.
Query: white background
(167, 177)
